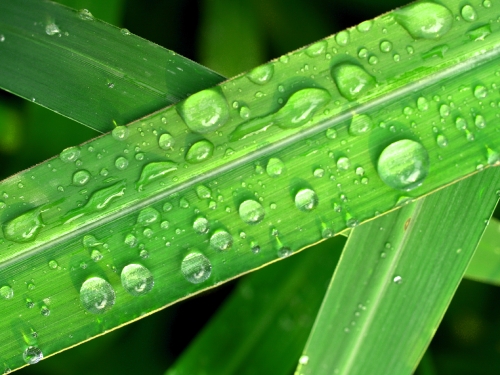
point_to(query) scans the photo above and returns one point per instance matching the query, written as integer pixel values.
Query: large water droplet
(468, 13)
(6, 292)
(196, 267)
(81, 177)
(251, 212)
(137, 279)
(32, 355)
(120, 133)
(166, 141)
(261, 74)
(343, 163)
(70, 154)
(425, 20)
(275, 167)
(25, 227)
(199, 152)
(403, 165)
(97, 295)
(306, 200)
(204, 111)
(360, 124)
(221, 240)
(201, 225)
(148, 216)
(153, 171)
(352, 80)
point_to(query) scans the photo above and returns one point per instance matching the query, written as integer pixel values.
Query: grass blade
(485, 265)
(263, 326)
(116, 77)
(386, 300)
(244, 174)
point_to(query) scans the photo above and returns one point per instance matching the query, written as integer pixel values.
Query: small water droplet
(261, 74)
(425, 20)
(422, 104)
(137, 279)
(131, 240)
(403, 165)
(97, 295)
(70, 154)
(245, 112)
(331, 133)
(343, 163)
(284, 252)
(461, 123)
(125, 32)
(444, 110)
(52, 29)
(166, 141)
(121, 163)
(480, 92)
(441, 140)
(200, 151)
(317, 49)
(196, 267)
(385, 46)
(32, 355)
(203, 192)
(319, 172)
(148, 216)
(275, 167)
(6, 292)
(53, 264)
(81, 177)
(342, 38)
(468, 13)
(251, 212)
(360, 124)
(480, 122)
(221, 240)
(306, 200)
(205, 111)
(201, 225)
(2, 38)
(120, 133)
(365, 26)
(85, 15)
(45, 311)
(352, 80)
(397, 279)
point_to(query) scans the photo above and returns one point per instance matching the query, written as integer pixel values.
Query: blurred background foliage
(229, 37)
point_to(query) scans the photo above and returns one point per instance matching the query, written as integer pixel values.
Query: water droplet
(365, 26)
(153, 171)
(422, 104)
(196, 267)
(360, 124)
(461, 123)
(81, 177)
(425, 20)
(261, 74)
(121, 163)
(251, 212)
(203, 192)
(245, 112)
(200, 151)
(25, 227)
(306, 200)
(403, 165)
(167, 206)
(303, 360)
(385, 46)
(201, 225)
(397, 279)
(52, 29)
(183, 203)
(204, 111)
(362, 53)
(85, 15)
(148, 216)
(97, 295)
(120, 133)
(275, 167)
(130, 240)
(319, 172)
(125, 32)
(96, 255)
(144, 254)
(317, 49)
(2, 38)
(70, 154)
(441, 140)
(343, 163)
(6, 292)
(352, 80)
(468, 13)
(45, 311)
(221, 240)
(480, 122)
(137, 279)
(480, 92)
(331, 133)
(32, 355)
(166, 141)
(373, 60)
(479, 33)
(342, 38)
(444, 110)
(53, 264)
(284, 252)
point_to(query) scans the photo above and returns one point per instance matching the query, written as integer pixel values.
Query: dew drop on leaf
(70, 154)
(221, 240)
(468, 13)
(275, 167)
(97, 295)
(137, 279)
(196, 267)
(261, 74)
(251, 212)
(81, 177)
(25, 227)
(306, 200)
(360, 124)
(352, 80)
(201, 225)
(166, 141)
(32, 355)
(6, 292)
(425, 20)
(199, 152)
(120, 133)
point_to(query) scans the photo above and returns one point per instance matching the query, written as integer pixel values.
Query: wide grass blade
(263, 326)
(88, 70)
(244, 174)
(395, 280)
(485, 265)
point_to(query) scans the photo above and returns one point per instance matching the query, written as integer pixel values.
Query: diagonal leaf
(485, 265)
(262, 327)
(241, 175)
(395, 280)
(116, 77)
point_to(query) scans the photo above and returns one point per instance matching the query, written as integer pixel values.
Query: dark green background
(230, 37)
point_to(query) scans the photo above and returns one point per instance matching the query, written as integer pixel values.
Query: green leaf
(88, 70)
(263, 326)
(485, 265)
(395, 280)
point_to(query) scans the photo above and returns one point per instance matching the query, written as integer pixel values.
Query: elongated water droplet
(221, 240)
(148, 216)
(201, 225)
(6, 292)
(25, 227)
(261, 74)
(81, 177)
(166, 141)
(360, 124)
(352, 80)
(425, 20)
(70, 154)
(204, 111)
(403, 165)
(200, 151)
(317, 49)
(251, 212)
(275, 167)
(203, 192)
(468, 13)
(306, 200)
(85, 15)
(479, 33)
(480, 122)
(97, 295)
(32, 355)
(120, 133)
(196, 267)
(153, 171)
(137, 279)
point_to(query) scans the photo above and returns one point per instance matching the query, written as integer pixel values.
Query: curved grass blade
(263, 326)
(116, 77)
(395, 280)
(244, 174)
(485, 265)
